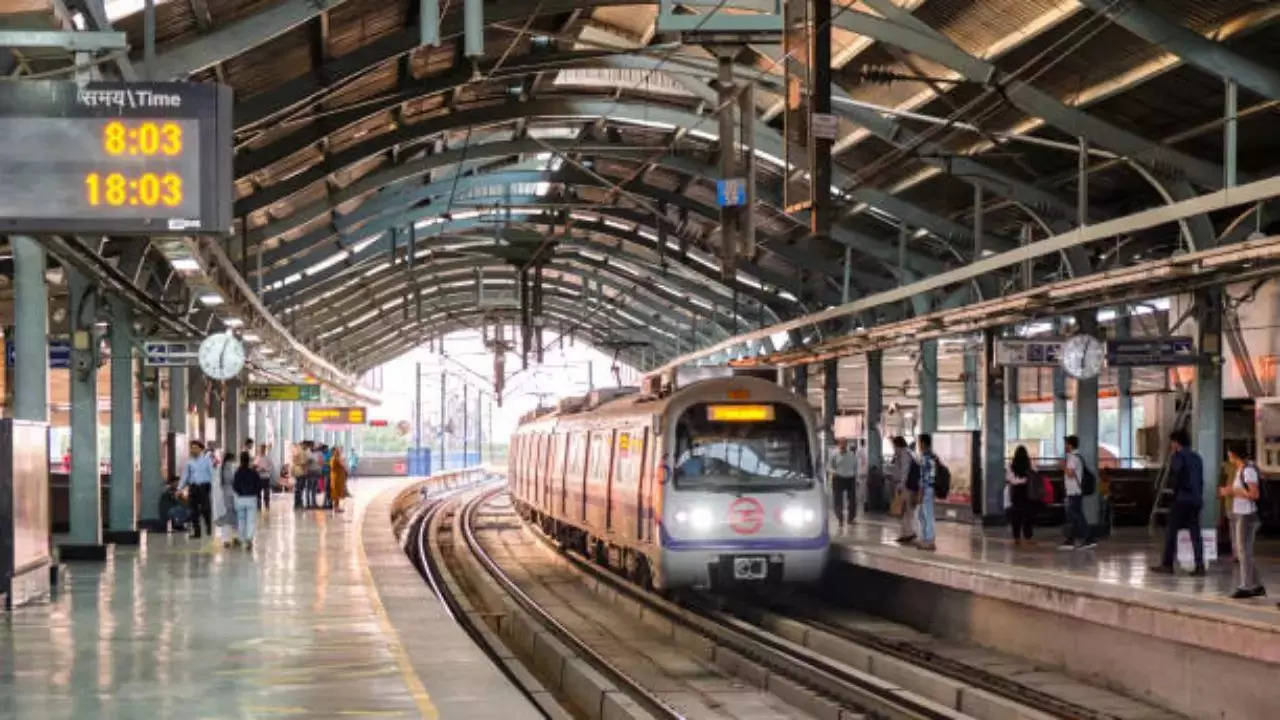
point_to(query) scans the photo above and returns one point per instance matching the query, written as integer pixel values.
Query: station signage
(336, 416)
(170, 353)
(1045, 352)
(731, 192)
(1179, 350)
(135, 158)
(59, 354)
(282, 393)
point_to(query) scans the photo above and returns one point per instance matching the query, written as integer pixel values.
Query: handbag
(898, 505)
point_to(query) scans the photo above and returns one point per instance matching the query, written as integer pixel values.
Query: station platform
(326, 618)
(1100, 613)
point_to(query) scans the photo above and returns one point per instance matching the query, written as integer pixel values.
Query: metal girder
(710, 293)
(69, 40)
(376, 335)
(236, 37)
(1190, 46)
(399, 283)
(1029, 99)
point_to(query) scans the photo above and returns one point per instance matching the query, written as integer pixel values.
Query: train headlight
(698, 518)
(796, 517)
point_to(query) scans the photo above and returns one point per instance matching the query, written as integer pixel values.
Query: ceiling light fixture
(210, 299)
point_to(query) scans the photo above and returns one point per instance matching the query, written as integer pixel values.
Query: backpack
(913, 476)
(941, 479)
(1047, 494)
(1088, 481)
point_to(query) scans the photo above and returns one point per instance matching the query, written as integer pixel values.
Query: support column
(284, 434)
(178, 401)
(1208, 399)
(466, 435)
(299, 416)
(31, 330)
(928, 379)
(231, 417)
(800, 380)
(149, 448)
(259, 425)
(1012, 410)
(1060, 427)
(243, 429)
(443, 444)
(874, 403)
(123, 521)
(1087, 419)
(84, 542)
(972, 381)
(989, 497)
(1124, 393)
(830, 396)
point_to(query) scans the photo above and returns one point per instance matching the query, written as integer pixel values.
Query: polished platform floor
(1120, 564)
(182, 628)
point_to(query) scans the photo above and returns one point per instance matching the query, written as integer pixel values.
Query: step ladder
(1163, 500)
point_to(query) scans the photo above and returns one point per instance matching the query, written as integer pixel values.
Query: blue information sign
(1151, 351)
(731, 192)
(59, 354)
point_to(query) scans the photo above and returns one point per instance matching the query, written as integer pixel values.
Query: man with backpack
(1078, 481)
(935, 482)
(1186, 469)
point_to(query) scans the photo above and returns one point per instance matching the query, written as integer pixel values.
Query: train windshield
(761, 447)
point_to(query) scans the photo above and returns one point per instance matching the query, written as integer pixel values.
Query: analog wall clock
(221, 356)
(1082, 357)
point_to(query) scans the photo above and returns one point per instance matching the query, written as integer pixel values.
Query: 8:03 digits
(147, 190)
(147, 139)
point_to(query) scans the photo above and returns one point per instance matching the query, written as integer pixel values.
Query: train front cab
(741, 502)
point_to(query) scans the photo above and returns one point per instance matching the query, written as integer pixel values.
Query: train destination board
(135, 158)
(336, 415)
(282, 393)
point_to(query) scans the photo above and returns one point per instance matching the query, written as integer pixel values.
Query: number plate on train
(750, 568)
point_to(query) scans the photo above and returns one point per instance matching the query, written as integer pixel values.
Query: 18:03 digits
(147, 190)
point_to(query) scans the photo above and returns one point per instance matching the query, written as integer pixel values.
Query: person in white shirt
(860, 487)
(844, 472)
(1079, 536)
(1243, 492)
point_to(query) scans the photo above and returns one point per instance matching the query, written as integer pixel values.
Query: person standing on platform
(298, 469)
(1187, 471)
(844, 473)
(1022, 510)
(266, 472)
(326, 458)
(246, 486)
(224, 502)
(860, 486)
(338, 472)
(901, 471)
(315, 462)
(928, 475)
(197, 482)
(1075, 474)
(1241, 496)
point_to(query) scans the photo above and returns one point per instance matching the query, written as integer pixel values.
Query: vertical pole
(977, 222)
(729, 214)
(417, 406)
(284, 434)
(473, 27)
(902, 253)
(874, 403)
(1082, 184)
(178, 400)
(830, 394)
(31, 330)
(991, 497)
(231, 417)
(123, 518)
(149, 447)
(747, 111)
(85, 538)
(1230, 130)
(465, 427)
(820, 103)
(1124, 393)
(972, 381)
(1087, 416)
(848, 274)
(929, 386)
(800, 380)
(443, 443)
(259, 425)
(429, 23)
(1208, 399)
(1012, 408)
(299, 422)
(243, 429)
(149, 39)
(1060, 427)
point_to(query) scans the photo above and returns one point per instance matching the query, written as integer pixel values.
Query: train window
(770, 453)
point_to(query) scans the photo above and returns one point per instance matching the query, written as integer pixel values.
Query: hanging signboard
(825, 126)
(1151, 351)
(336, 416)
(135, 158)
(731, 192)
(1030, 353)
(282, 393)
(59, 354)
(170, 353)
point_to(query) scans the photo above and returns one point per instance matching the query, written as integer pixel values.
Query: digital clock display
(146, 158)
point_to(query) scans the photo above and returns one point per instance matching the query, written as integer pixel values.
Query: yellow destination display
(740, 413)
(336, 416)
(282, 393)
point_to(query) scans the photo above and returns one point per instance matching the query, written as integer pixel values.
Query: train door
(559, 469)
(544, 471)
(628, 457)
(644, 486)
(574, 493)
(599, 461)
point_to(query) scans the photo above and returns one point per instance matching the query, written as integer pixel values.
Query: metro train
(712, 485)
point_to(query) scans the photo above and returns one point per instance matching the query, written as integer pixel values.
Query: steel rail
(647, 699)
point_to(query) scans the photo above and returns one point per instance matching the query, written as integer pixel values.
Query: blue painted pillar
(178, 401)
(1208, 399)
(31, 330)
(874, 404)
(84, 541)
(149, 448)
(122, 523)
(1124, 394)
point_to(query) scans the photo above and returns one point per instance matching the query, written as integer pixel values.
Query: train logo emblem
(746, 516)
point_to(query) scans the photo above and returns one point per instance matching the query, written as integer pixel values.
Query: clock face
(221, 356)
(1082, 357)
